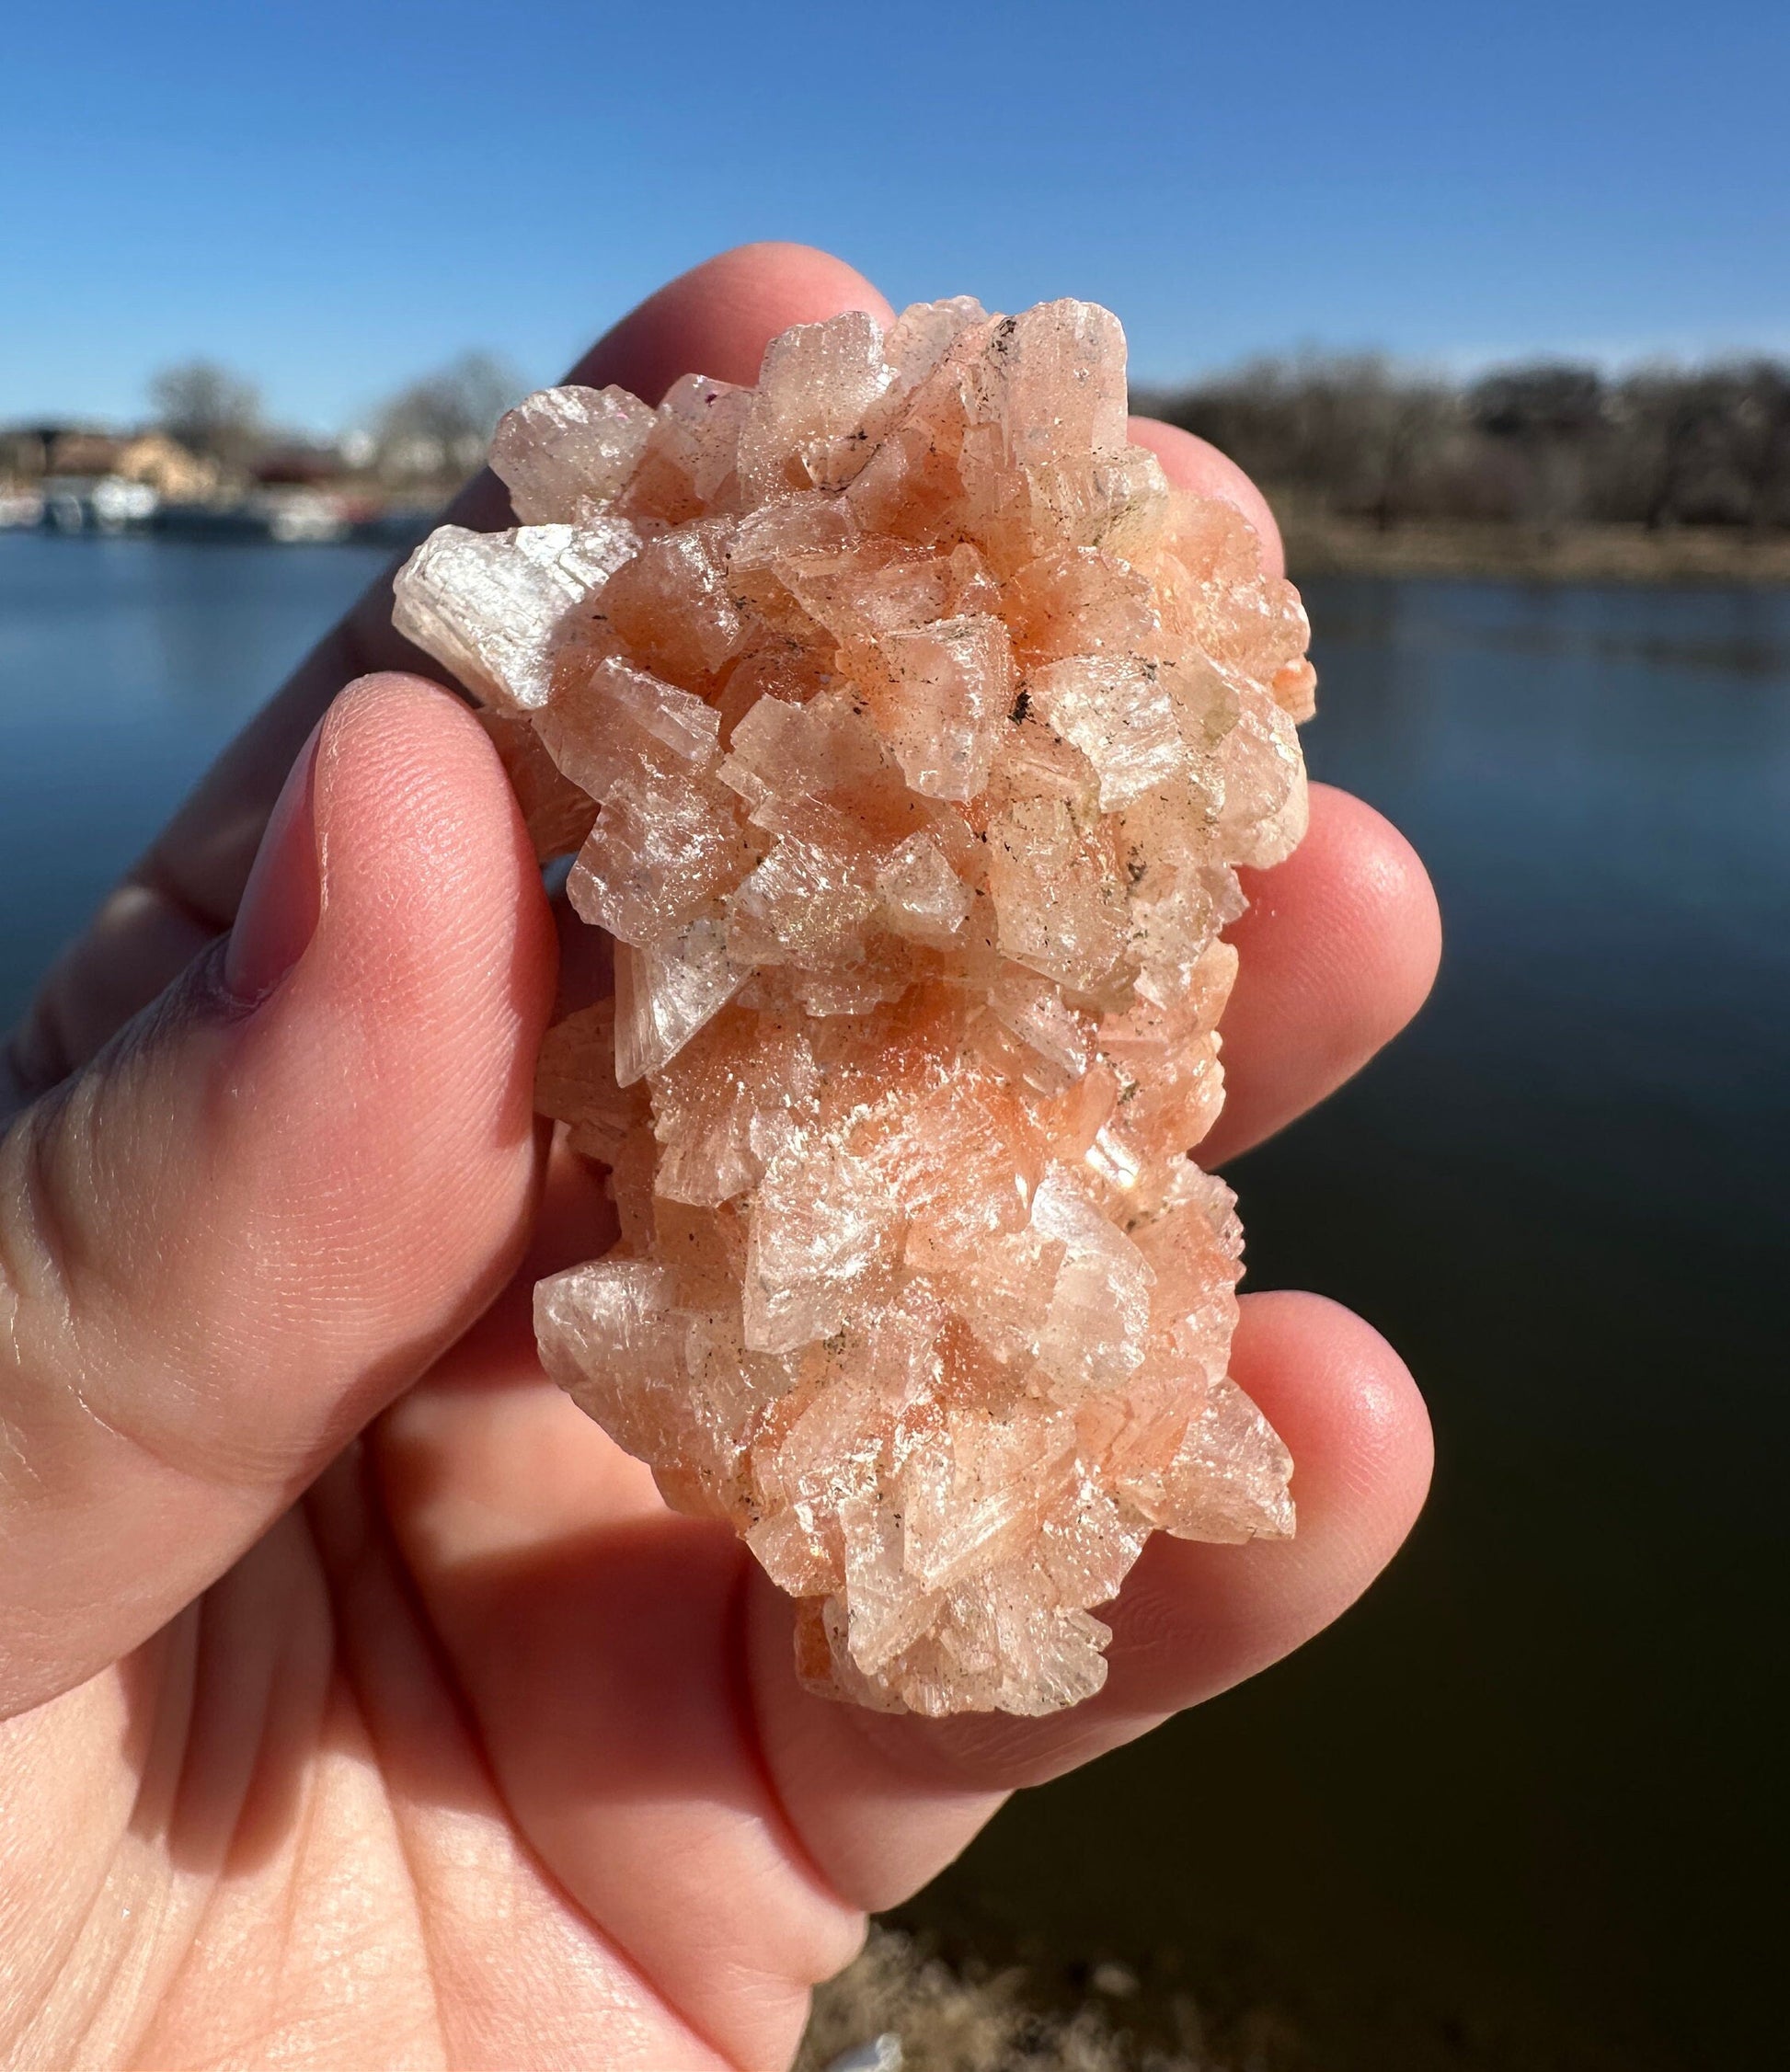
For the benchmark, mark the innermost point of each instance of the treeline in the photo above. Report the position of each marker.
(431, 433)
(1544, 446)
(1547, 445)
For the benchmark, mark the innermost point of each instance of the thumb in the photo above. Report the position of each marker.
(276, 1195)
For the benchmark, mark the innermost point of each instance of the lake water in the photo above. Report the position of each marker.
(1515, 1810)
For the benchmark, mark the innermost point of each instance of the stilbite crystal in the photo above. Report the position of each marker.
(909, 729)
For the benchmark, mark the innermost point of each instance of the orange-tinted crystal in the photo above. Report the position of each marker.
(909, 730)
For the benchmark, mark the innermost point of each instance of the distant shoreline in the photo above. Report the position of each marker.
(1323, 545)
(1318, 544)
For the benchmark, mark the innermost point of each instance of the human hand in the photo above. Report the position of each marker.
(363, 1705)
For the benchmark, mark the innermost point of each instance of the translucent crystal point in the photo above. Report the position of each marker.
(907, 732)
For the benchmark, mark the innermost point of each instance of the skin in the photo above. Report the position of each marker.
(362, 1706)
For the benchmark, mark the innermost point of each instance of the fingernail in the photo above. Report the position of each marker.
(283, 898)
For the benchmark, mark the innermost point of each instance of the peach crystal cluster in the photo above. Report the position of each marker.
(908, 727)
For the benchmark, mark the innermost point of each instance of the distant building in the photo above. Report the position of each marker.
(165, 466)
(29, 453)
(41, 452)
(300, 466)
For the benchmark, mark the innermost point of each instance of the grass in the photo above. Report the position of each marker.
(1319, 543)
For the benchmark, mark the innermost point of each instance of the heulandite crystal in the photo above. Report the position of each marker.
(909, 728)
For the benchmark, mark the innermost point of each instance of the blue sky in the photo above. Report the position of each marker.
(335, 196)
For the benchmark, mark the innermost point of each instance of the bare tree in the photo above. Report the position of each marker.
(1547, 443)
(1552, 415)
(1670, 445)
(1757, 427)
(1367, 438)
(1393, 434)
(440, 425)
(211, 411)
